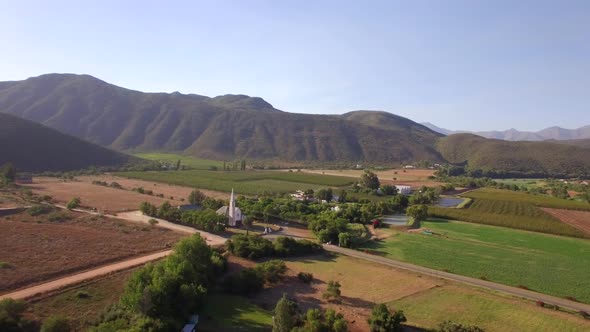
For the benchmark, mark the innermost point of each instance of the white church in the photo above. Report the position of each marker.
(232, 212)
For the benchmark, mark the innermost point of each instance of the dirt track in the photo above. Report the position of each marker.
(80, 277)
(577, 219)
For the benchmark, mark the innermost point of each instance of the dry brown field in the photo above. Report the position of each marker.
(410, 177)
(36, 249)
(578, 219)
(105, 199)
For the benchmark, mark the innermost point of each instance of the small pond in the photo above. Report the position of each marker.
(449, 201)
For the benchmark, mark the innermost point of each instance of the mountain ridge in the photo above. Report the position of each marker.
(550, 133)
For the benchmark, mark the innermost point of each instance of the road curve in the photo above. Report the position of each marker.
(466, 280)
(83, 276)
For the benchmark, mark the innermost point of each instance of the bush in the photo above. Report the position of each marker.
(5, 265)
(333, 291)
(116, 185)
(11, 316)
(286, 246)
(58, 216)
(36, 210)
(153, 222)
(250, 246)
(82, 295)
(56, 324)
(382, 320)
(272, 271)
(74, 203)
(305, 277)
(449, 326)
(344, 240)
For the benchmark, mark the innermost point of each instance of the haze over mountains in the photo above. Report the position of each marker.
(551, 133)
(239, 126)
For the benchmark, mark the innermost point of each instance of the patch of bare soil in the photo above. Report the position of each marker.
(35, 249)
(577, 219)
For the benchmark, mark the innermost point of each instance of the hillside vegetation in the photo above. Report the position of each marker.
(32, 147)
(216, 128)
(498, 158)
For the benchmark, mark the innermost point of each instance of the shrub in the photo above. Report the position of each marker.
(333, 291)
(58, 216)
(449, 326)
(286, 246)
(36, 210)
(11, 316)
(272, 271)
(305, 277)
(56, 324)
(82, 295)
(344, 240)
(5, 265)
(250, 246)
(74, 203)
(116, 185)
(153, 222)
(382, 320)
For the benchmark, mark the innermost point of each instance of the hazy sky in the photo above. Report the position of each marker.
(470, 64)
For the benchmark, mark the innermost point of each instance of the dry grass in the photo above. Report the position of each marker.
(41, 250)
(106, 199)
(411, 177)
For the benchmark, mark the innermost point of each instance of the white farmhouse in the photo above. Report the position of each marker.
(403, 189)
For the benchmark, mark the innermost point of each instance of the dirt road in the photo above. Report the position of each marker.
(466, 280)
(83, 276)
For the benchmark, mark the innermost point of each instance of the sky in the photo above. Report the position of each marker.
(472, 65)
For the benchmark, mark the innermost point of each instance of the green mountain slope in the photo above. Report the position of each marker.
(549, 158)
(221, 127)
(33, 147)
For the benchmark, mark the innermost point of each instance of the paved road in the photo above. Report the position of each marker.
(83, 276)
(466, 280)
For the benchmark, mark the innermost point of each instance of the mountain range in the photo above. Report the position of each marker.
(551, 133)
(239, 126)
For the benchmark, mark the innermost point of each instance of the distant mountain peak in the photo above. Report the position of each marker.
(551, 133)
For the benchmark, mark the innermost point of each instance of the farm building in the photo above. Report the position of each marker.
(403, 189)
(409, 167)
(24, 179)
(232, 212)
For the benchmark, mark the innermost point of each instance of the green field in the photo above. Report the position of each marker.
(492, 313)
(549, 264)
(191, 162)
(512, 209)
(527, 183)
(233, 313)
(246, 182)
(522, 197)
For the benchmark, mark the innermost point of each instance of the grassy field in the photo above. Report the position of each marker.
(192, 162)
(513, 209)
(233, 313)
(493, 313)
(549, 264)
(528, 183)
(81, 305)
(247, 182)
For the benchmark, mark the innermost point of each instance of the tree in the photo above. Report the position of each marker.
(178, 165)
(370, 180)
(333, 291)
(285, 317)
(11, 316)
(74, 203)
(243, 165)
(344, 239)
(196, 197)
(343, 196)
(148, 209)
(325, 195)
(449, 326)
(56, 324)
(382, 320)
(7, 173)
(272, 271)
(418, 213)
(389, 190)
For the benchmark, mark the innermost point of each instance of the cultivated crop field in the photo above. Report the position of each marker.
(192, 162)
(577, 219)
(521, 197)
(512, 209)
(44, 247)
(545, 263)
(246, 182)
